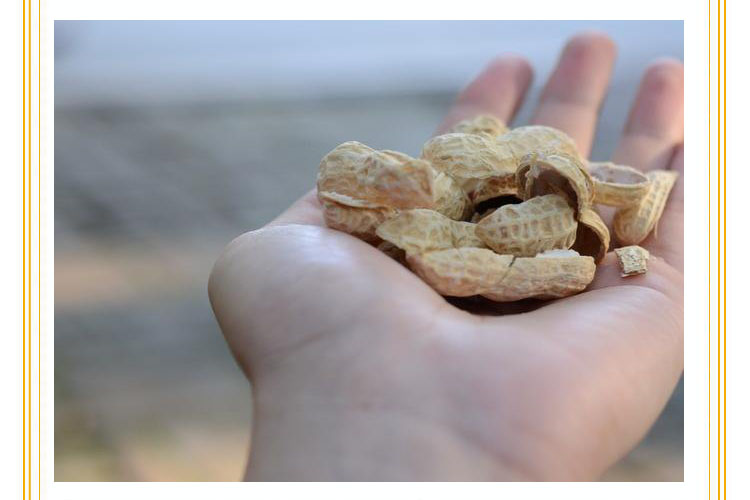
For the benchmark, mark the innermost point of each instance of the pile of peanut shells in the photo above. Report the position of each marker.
(505, 214)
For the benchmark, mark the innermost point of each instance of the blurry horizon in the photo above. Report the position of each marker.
(130, 62)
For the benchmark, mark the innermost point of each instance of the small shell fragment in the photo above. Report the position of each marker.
(632, 259)
(486, 125)
(526, 229)
(617, 185)
(633, 224)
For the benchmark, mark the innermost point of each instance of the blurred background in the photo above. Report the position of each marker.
(171, 138)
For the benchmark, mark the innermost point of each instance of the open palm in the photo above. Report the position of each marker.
(361, 371)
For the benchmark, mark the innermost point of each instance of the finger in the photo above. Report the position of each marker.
(498, 91)
(574, 92)
(655, 124)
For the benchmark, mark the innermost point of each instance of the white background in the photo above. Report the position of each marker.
(696, 298)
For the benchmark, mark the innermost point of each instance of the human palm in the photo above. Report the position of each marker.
(361, 371)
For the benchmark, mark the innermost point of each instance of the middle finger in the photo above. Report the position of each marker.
(574, 92)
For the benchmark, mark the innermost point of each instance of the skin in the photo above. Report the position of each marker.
(360, 371)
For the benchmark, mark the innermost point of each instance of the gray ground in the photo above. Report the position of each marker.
(145, 198)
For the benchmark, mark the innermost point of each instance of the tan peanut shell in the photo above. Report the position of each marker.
(534, 138)
(617, 185)
(463, 272)
(420, 230)
(486, 125)
(469, 158)
(592, 237)
(544, 277)
(526, 229)
(357, 221)
(354, 175)
(493, 187)
(633, 224)
(450, 199)
(387, 178)
(555, 173)
(633, 260)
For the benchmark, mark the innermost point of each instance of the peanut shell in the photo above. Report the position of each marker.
(555, 173)
(357, 221)
(463, 272)
(544, 277)
(526, 229)
(486, 125)
(469, 158)
(617, 185)
(535, 138)
(592, 237)
(420, 230)
(633, 260)
(633, 224)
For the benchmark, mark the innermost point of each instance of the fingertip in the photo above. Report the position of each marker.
(512, 64)
(498, 90)
(664, 76)
(591, 45)
(658, 108)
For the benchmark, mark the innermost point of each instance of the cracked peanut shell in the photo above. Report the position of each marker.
(555, 173)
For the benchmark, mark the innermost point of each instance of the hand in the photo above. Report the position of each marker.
(360, 371)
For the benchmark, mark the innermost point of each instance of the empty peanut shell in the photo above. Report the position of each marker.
(617, 185)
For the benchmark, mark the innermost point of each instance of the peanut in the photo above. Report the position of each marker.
(632, 259)
(633, 224)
